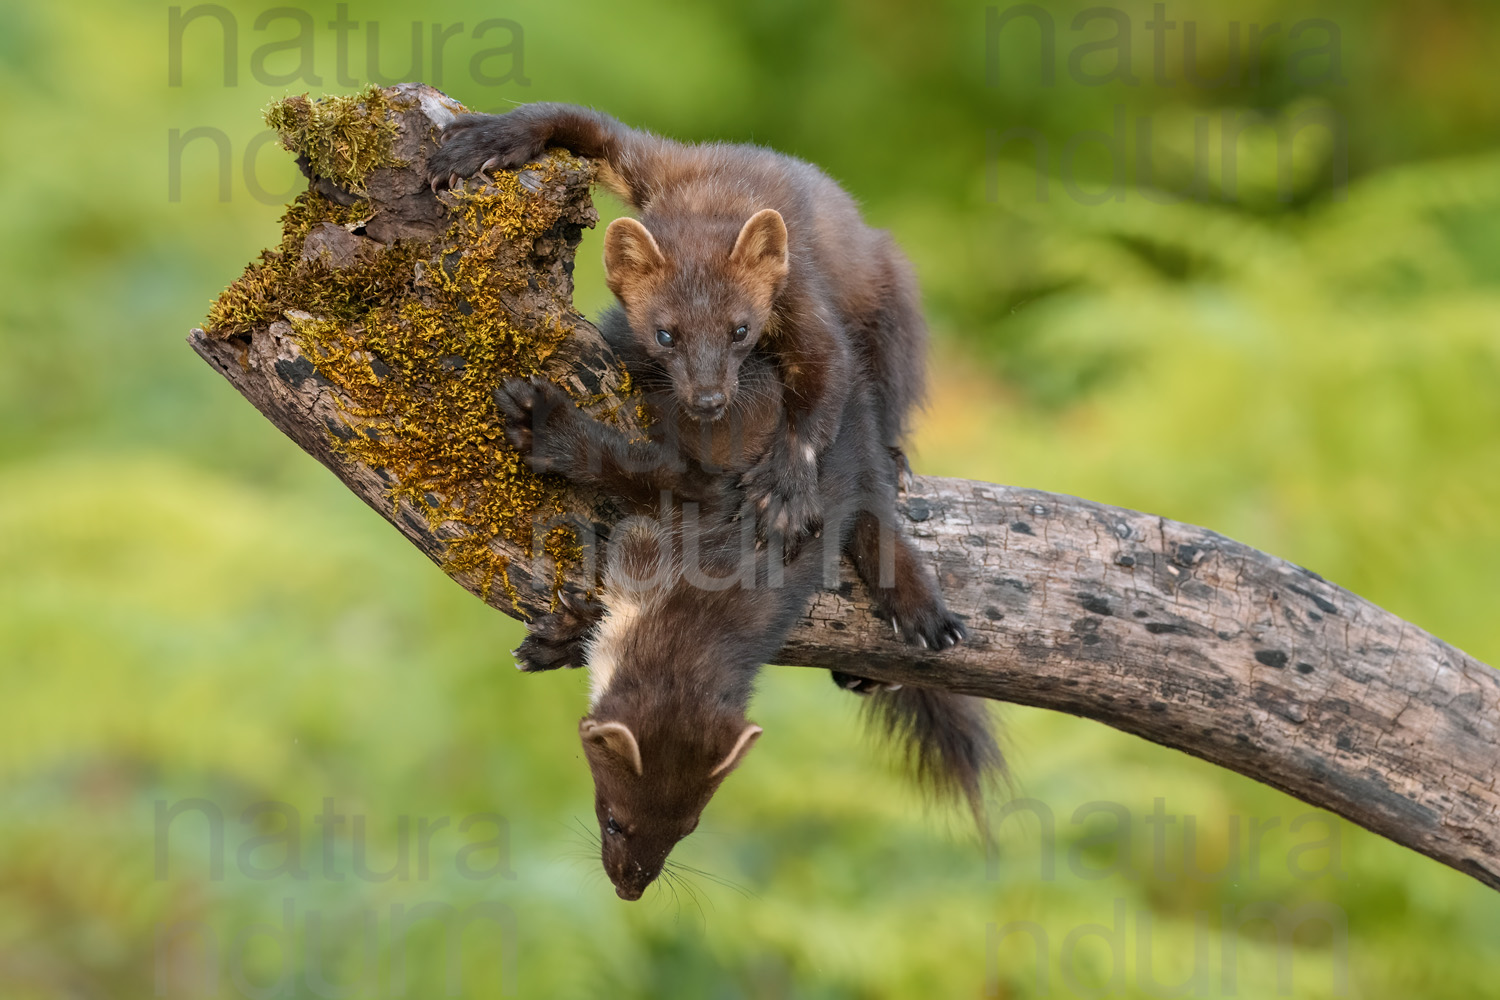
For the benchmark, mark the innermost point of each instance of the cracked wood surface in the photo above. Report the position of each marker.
(1195, 641)
(1160, 629)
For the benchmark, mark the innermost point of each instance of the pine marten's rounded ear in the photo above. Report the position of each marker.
(741, 747)
(631, 255)
(613, 737)
(761, 246)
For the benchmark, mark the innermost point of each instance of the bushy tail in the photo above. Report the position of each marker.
(948, 741)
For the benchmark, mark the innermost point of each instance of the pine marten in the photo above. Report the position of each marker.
(781, 349)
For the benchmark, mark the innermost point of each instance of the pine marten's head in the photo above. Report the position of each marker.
(651, 782)
(697, 304)
(661, 735)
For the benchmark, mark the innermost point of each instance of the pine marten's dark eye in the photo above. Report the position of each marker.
(611, 827)
(740, 333)
(663, 338)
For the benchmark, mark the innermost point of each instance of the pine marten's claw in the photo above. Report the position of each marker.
(861, 685)
(928, 626)
(537, 415)
(903, 470)
(516, 402)
(576, 601)
(557, 639)
(475, 143)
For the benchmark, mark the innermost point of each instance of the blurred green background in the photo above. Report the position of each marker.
(1304, 355)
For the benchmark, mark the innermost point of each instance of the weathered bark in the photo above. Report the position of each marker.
(1160, 629)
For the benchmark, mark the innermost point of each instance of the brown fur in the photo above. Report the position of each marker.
(799, 422)
(692, 610)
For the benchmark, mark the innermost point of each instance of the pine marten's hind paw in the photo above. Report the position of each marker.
(475, 143)
(861, 685)
(928, 625)
(557, 639)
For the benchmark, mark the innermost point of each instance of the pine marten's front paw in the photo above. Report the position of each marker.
(557, 639)
(785, 507)
(474, 143)
(541, 422)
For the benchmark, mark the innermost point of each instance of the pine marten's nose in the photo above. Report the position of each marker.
(709, 404)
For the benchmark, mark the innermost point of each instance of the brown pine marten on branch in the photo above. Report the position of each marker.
(738, 249)
(780, 347)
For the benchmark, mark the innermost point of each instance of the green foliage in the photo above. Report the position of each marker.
(190, 608)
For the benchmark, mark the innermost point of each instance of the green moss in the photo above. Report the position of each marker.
(415, 338)
(270, 286)
(344, 138)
